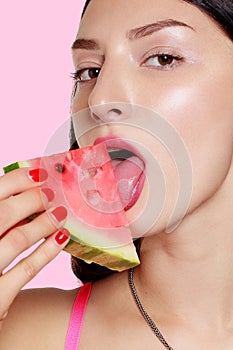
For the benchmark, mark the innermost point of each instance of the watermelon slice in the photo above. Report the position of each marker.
(83, 181)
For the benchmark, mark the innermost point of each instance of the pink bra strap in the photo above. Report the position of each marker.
(77, 316)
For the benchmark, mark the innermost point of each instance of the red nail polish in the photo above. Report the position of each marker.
(62, 236)
(38, 175)
(48, 193)
(59, 213)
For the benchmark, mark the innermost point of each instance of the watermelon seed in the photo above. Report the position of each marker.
(60, 168)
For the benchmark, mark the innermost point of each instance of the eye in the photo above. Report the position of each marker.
(162, 60)
(86, 74)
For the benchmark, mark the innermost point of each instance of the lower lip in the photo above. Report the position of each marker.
(137, 191)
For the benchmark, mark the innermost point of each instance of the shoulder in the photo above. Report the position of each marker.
(38, 319)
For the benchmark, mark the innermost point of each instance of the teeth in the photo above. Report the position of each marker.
(120, 153)
(113, 149)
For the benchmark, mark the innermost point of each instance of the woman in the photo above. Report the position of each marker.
(173, 58)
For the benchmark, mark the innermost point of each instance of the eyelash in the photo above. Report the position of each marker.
(78, 73)
(160, 54)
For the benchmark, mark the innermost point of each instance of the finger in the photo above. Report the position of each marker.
(23, 237)
(20, 180)
(13, 280)
(17, 208)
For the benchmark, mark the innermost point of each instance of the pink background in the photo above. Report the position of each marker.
(35, 90)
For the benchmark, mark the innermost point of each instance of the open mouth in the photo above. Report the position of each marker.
(120, 153)
(129, 171)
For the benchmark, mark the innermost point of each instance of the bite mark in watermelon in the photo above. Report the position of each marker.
(84, 182)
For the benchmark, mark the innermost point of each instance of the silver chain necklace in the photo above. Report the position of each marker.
(147, 318)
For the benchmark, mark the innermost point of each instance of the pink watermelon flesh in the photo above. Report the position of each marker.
(84, 182)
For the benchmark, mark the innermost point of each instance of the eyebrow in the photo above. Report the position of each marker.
(85, 44)
(149, 29)
(132, 34)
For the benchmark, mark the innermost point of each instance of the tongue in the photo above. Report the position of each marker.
(127, 173)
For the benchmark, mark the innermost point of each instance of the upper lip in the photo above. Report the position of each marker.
(118, 143)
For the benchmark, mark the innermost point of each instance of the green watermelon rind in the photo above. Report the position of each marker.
(16, 165)
(114, 258)
(105, 258)
(117, 258)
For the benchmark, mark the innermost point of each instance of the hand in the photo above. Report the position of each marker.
(20, 197)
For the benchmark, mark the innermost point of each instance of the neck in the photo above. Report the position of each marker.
(187, 275)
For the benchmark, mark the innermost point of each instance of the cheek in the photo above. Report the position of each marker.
(81, 117)
(201, 110)
(80, 100)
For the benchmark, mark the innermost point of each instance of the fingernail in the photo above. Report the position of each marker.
(48, 193)
(38, 175)
(59, 213)
(62, 236)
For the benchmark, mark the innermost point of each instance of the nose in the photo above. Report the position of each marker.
(111, 97)
(110, 111)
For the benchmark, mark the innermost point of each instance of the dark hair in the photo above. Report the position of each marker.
(221, 11)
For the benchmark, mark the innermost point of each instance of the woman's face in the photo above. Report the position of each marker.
(151, 73)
